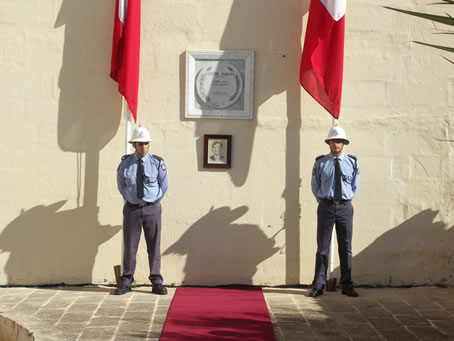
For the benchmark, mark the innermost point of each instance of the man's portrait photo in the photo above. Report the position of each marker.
(217, 151)
(217, 154)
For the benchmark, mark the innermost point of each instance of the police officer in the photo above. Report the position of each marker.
(142, 181)
(335, 180)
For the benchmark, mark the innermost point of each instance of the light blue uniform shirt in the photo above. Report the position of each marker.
(155, 178)
(323, 181)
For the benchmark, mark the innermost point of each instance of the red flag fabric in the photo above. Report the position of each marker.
(124, 67)
(322, 61)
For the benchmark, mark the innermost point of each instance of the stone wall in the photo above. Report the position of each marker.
(255, 223)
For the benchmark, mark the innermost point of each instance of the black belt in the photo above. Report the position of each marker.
(142, 204)
(336, 202)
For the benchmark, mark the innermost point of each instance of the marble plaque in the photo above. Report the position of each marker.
(219, 84)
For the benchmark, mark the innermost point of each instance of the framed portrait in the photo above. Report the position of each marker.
(219, 84)
(217, 151)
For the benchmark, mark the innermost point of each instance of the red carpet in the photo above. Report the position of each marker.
(230, 313)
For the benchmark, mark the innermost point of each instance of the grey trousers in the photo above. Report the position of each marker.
(328, 215)
(134, 219)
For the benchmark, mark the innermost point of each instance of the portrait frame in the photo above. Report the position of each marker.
(219, 84)
(217, 151)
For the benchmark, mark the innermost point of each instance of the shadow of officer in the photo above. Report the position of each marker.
(219, 252)
(44, 245)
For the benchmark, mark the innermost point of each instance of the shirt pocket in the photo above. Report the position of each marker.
(150, 179)
(130, 179)
(327, 174)
(347, 176)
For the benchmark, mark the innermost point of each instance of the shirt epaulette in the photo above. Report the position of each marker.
(353, 157)
(319, 157)
(158, 157)
(125, 156)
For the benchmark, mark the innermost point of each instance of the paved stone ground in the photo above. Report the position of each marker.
(86, 313)
(93, 313)
(423, 313)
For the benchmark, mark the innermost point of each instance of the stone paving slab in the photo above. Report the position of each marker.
(92, 313)
(86, 313)
(421, 313)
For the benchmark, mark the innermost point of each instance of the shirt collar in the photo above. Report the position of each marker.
(136, 158)
(341, 157)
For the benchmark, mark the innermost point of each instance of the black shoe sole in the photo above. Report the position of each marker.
(350, 294)
(159, 293)
(122, 292)
(318, 294)
(158, 289)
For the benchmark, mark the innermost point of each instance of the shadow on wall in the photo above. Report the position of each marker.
(220, 252)
(416, 252)
(89, 104)
(272, 29)
(46, 246)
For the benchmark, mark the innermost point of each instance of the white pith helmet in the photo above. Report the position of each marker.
(140, 134)
(337, 133)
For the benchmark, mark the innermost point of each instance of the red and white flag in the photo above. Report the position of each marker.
(124, 67)
(322, 62)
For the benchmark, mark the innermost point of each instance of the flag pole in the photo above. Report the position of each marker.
(331, 284)
(124, 69)
(331, 247)
(331, 257)
(127, 115)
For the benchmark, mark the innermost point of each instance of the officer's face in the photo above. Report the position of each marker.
(141, 148)
(336, 146)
